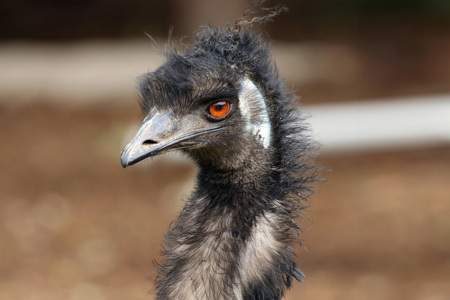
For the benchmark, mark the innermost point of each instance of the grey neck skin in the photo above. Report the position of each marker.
(229, 241)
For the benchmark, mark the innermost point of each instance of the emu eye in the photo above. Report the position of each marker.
(219, 109)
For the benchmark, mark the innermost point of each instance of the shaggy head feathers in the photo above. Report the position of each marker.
(214, 64)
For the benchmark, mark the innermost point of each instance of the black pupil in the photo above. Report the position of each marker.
(218, 106)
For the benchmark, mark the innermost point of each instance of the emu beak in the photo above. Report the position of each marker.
(161, 132)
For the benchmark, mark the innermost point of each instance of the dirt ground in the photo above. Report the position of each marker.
(75, 225)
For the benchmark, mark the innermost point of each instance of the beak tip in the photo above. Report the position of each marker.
(124, 159)
(130, 156)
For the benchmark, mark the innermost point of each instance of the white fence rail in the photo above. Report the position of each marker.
(379, 124)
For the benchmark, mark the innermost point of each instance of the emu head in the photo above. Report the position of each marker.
(214, 101)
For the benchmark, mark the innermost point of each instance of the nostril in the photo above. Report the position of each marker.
(149, 142)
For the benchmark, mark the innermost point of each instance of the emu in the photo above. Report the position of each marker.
(221, 102)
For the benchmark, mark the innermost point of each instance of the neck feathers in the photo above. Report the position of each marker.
(227, 251)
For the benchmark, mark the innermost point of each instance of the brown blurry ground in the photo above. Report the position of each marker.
(75, 225)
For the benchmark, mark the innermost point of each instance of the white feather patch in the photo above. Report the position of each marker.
(260, 250)
(253, 108)
(204, 276)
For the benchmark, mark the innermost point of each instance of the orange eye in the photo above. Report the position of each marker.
(219, 109)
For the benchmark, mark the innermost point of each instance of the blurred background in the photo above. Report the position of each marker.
(373, 74)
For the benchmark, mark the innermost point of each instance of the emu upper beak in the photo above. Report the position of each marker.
(161, 132)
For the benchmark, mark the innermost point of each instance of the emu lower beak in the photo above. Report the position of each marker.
(161, 132)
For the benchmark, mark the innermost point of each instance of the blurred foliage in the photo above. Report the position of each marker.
(56, 19)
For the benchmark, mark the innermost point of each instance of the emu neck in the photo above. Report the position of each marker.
(244, 194)
(251, 180)
(227, 242)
